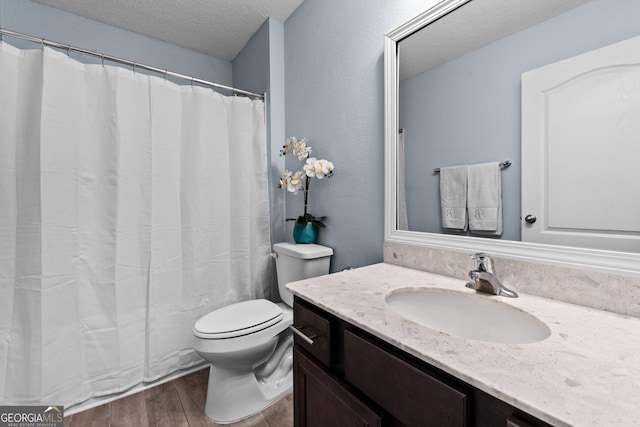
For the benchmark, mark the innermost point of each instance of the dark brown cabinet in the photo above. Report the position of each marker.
(407, 392)
(321, 401)
(344, 376)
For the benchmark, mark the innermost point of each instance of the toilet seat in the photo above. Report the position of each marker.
(238, 319)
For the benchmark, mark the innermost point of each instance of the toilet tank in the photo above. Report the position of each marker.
(298, 262)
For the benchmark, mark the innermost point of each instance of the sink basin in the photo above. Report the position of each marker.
(467, 315)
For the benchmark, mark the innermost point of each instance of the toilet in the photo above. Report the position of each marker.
(249, 344)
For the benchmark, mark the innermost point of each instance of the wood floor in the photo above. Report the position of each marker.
(178, 403)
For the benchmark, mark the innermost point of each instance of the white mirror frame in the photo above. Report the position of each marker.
(590, 259)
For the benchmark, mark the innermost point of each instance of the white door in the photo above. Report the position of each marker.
(581, 150)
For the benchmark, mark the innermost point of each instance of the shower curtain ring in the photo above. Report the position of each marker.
(69, 51)
(102, 57)
(134, 67)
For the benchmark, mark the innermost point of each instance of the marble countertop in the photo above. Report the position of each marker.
(587, 373)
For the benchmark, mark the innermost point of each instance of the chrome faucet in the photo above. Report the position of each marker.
(484, 278)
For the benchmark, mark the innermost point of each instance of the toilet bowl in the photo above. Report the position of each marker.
(249, 344)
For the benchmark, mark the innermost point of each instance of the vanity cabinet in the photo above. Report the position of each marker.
(344, 376)
(322, 400)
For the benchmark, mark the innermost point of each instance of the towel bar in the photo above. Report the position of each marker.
(503, 165)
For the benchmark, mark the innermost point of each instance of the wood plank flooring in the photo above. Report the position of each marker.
(178, 403)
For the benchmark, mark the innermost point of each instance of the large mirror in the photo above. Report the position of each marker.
(453, 95)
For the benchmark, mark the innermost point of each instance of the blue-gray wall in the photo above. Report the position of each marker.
(46, 22)
(468, 110)
(334, 96)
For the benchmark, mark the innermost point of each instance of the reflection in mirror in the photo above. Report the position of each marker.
(460, 92)
(580, 128)
(453, 79)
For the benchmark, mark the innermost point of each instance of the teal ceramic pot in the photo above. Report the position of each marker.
(305, 233)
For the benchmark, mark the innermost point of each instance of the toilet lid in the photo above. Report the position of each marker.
(238, 319)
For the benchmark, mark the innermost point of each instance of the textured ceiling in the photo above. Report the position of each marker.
(472, 26)
(218, 28)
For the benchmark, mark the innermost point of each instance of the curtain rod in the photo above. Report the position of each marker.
(132, 64)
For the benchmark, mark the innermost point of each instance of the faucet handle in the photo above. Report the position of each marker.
(483, 262)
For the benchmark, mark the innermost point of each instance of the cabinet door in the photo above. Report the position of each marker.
(321, 401)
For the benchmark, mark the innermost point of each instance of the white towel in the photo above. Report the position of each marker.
(484, 198)
(453, 197)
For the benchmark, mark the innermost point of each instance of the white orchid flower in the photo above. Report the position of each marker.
(297, 147)
(318, 168)
(291, 181)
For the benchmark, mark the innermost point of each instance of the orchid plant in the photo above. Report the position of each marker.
(300, 180)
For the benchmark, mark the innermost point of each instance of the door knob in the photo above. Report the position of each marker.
(530, 219)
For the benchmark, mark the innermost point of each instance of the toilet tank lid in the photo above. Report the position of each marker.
(302, 251)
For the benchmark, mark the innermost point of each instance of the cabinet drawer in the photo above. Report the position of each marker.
(409, 394)
(316, 328)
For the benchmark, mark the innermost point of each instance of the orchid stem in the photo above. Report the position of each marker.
(306, 192)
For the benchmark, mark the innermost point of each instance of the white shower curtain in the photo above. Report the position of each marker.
(129, 207)
(401, 209)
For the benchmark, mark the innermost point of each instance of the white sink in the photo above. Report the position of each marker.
(468, 315)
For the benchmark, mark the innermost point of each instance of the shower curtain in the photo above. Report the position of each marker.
(129, 207)
(401, 209)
